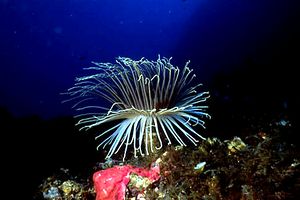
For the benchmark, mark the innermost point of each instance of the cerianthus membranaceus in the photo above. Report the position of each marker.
(152, 102)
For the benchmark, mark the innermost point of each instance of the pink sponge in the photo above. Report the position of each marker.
(111, 183)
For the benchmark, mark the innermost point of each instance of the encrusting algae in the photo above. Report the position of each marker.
(261, 166)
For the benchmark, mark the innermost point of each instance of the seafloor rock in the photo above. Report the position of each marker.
(263, 165)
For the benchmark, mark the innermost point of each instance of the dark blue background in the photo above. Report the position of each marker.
(45, 44)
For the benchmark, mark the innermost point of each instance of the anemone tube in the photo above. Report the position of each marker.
(151, 101)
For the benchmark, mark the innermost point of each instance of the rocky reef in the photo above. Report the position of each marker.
(261, 165)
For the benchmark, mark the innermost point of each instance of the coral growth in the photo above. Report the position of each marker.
(260, 166)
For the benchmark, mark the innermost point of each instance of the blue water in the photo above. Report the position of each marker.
(45, 44)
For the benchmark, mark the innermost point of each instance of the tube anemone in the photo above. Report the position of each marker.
(152, 102)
